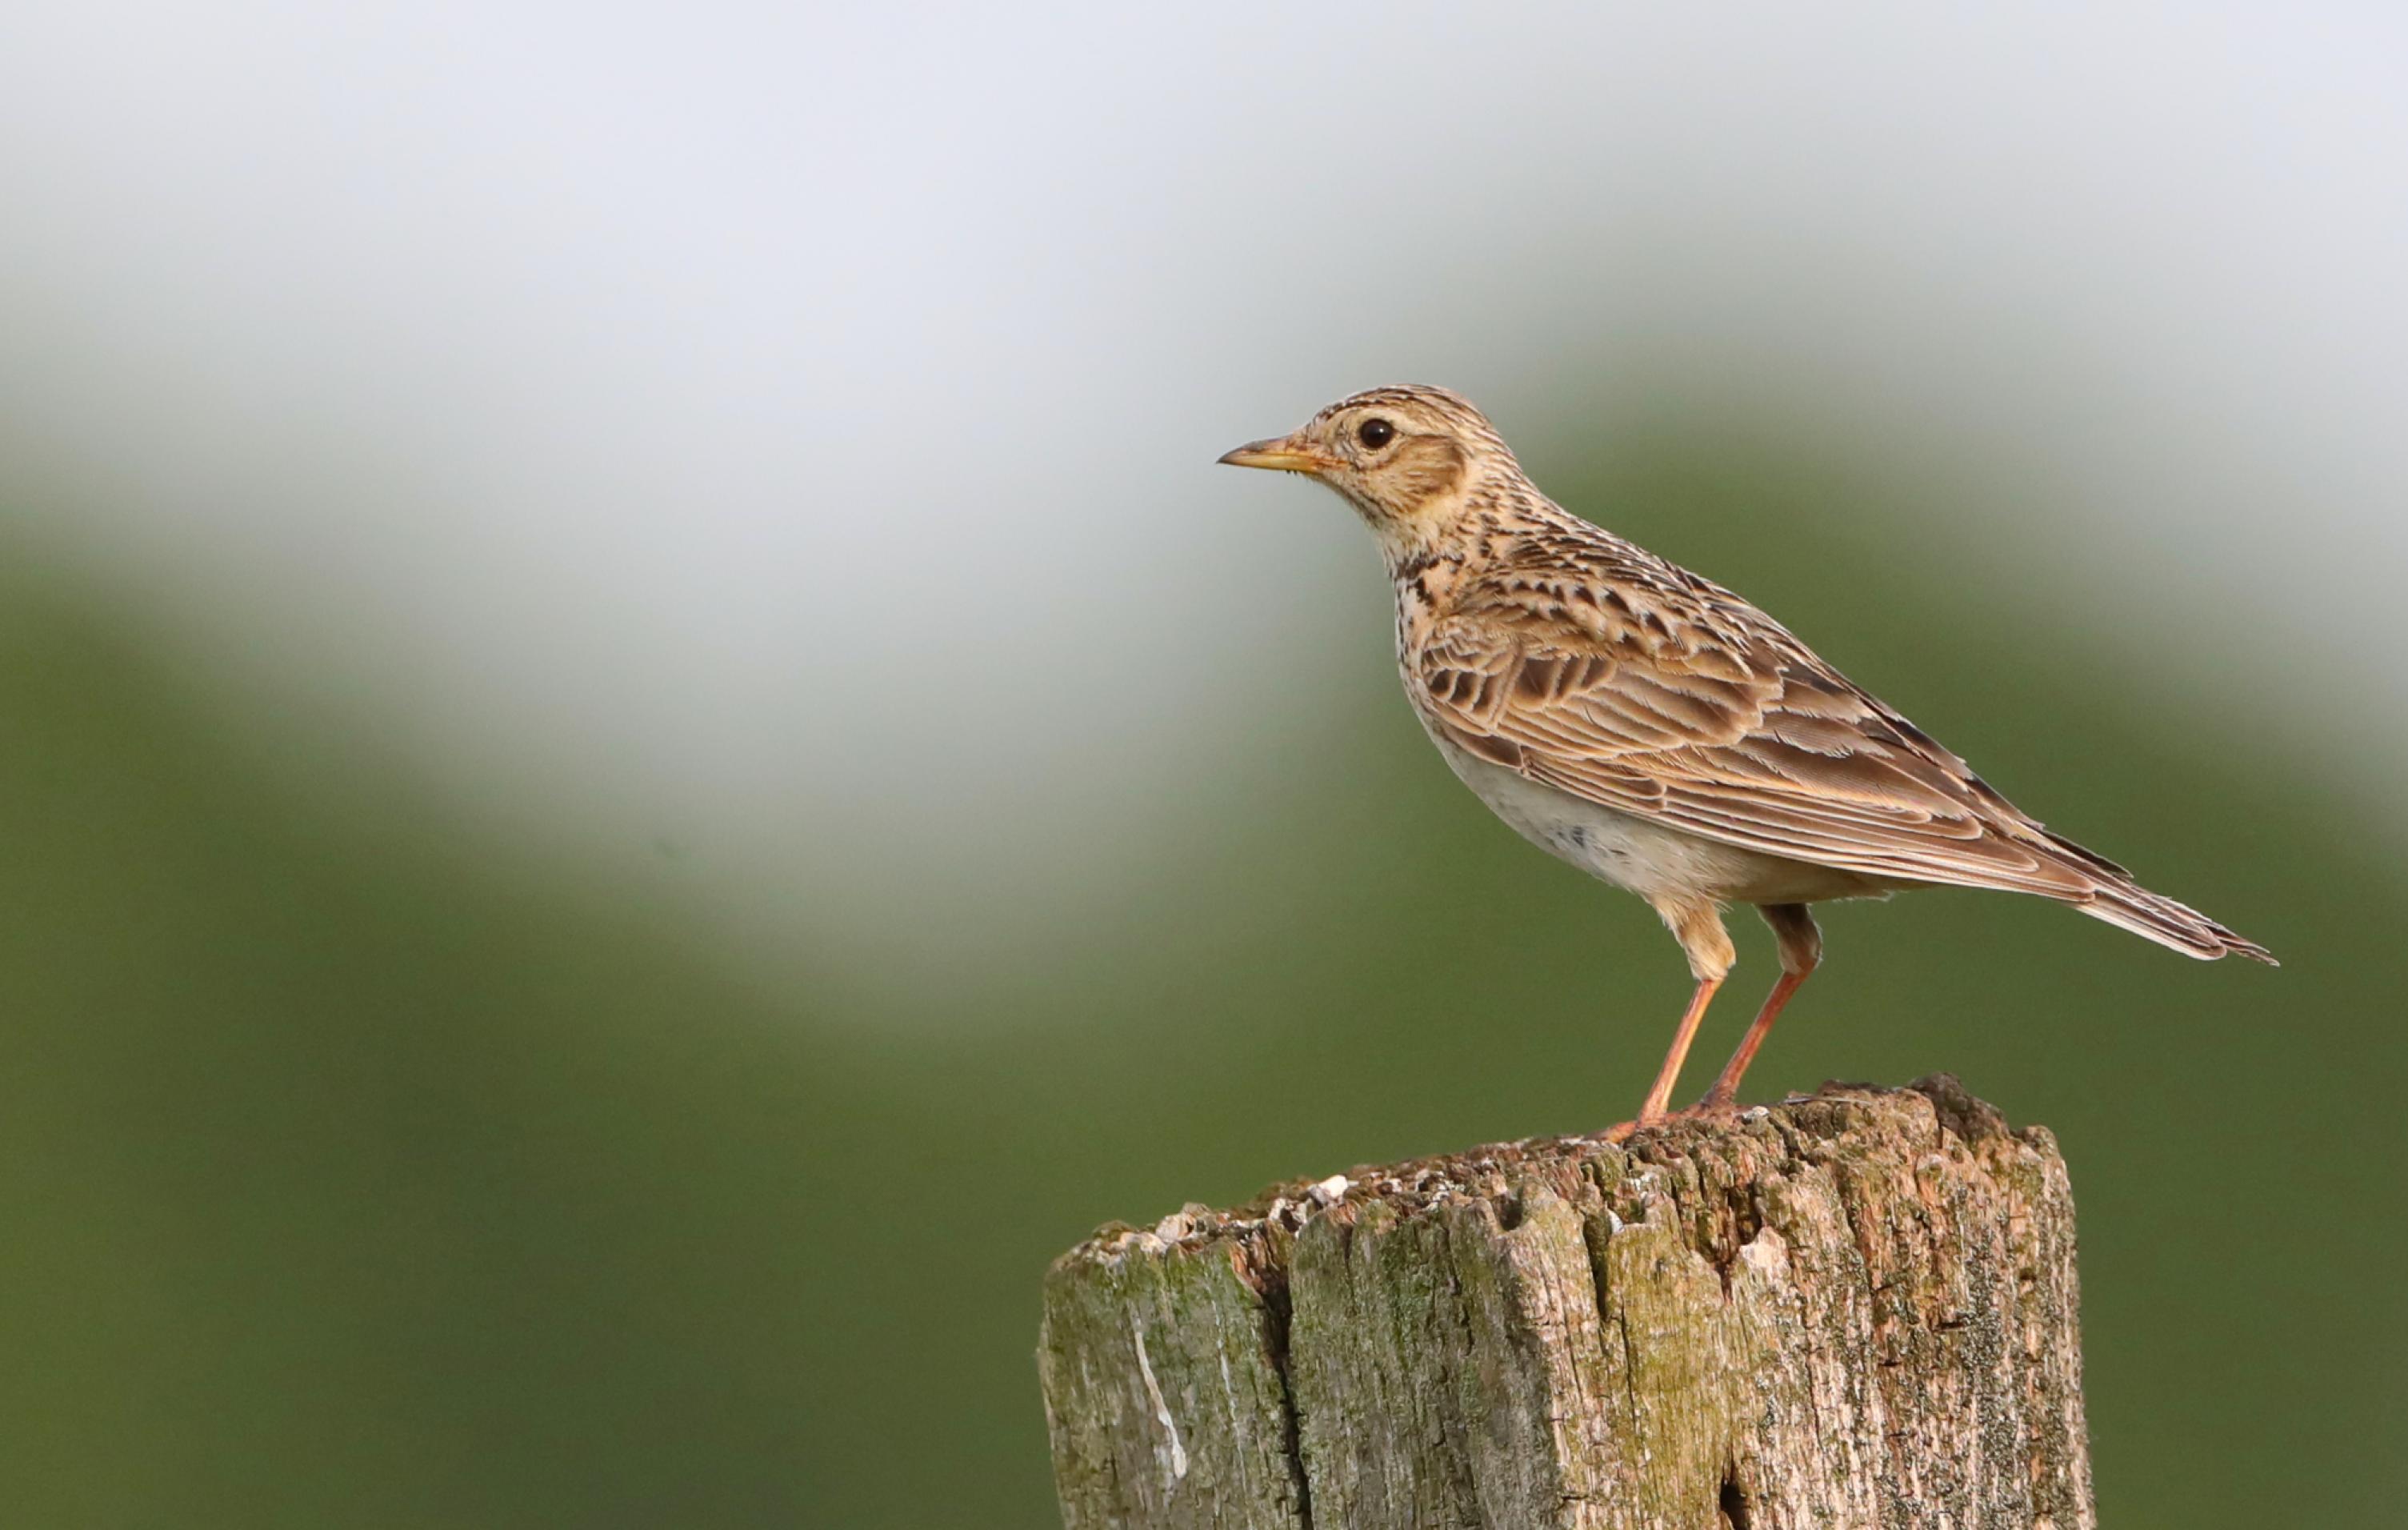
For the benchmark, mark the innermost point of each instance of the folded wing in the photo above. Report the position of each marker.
(1673, 699)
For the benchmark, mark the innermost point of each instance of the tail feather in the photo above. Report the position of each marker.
(2131, 906)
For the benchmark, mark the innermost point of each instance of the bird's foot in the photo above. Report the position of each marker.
(1714, 1107)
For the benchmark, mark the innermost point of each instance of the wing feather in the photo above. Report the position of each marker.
(1700, 712)
(1590, 666)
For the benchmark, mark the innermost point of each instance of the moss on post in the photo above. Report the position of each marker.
(1854, 1309)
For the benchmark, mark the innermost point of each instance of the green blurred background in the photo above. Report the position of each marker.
(641, 761)
(362, 1169)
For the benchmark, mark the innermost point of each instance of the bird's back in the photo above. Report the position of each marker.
(1537, 642)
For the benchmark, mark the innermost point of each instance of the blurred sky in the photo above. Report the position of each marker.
(774, 442)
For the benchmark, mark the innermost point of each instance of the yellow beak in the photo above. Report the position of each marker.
(1280, 452)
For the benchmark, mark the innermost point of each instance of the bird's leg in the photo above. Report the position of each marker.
(1801, 952)
(1698, 928)
(1669, 1075)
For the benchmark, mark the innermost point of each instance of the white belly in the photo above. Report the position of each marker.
(1646, 857)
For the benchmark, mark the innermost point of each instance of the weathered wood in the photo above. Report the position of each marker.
(1854, 1309)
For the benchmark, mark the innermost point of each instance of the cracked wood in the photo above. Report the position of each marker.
(1854, 1309)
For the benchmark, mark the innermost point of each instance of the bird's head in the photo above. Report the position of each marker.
(1405, 457)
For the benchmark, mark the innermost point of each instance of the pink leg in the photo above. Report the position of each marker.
(1801, 952)
(1670, 1074)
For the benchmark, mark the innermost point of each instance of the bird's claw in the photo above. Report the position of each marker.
(1721, 1108)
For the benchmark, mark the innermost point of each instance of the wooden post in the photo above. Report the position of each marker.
(1857, 1309)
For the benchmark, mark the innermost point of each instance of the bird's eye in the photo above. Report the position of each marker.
(1375, 433)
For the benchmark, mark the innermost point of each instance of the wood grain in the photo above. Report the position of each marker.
(1855, 1309)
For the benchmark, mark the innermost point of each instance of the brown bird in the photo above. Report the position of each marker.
(1659, 732)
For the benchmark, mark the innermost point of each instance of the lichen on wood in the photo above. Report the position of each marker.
(1857, 1308)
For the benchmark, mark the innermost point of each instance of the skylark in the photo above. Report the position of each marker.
(1659, 732)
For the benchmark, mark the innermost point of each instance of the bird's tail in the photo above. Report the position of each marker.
(2115, 897)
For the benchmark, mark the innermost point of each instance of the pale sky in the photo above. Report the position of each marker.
(783, 432)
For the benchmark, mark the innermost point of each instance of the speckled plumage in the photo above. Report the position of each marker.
(1657, 729)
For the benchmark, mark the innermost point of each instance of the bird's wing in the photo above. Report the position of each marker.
(1675, 700)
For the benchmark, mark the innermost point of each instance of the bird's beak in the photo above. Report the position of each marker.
(1280, 452)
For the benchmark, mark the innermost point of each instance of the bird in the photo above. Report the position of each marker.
(1659, 732)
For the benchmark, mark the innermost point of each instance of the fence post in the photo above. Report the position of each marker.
(1857, 1308)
